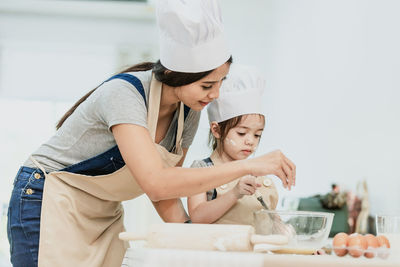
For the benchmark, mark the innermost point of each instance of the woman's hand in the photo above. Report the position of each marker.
(247, 185)
(275, 163)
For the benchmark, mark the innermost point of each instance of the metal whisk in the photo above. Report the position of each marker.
(279, 227)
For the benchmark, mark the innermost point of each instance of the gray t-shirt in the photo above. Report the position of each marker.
(86, 133)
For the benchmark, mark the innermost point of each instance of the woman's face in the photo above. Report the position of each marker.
(242, 140)
(198, 94)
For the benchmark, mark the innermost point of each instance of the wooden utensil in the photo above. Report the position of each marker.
(225, 237)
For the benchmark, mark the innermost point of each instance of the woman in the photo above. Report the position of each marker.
(123, 139)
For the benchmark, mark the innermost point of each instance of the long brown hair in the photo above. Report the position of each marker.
(162, 74)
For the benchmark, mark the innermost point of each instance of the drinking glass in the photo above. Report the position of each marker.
(389, 226)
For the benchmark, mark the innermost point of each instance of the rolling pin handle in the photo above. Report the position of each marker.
(130, 236)
(269, 239)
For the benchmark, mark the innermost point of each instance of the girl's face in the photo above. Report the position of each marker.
(242, 140)
(198, 94)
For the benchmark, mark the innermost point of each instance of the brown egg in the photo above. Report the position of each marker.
(357, 244)
(383, 241)
(339, 244)
(373, 244)
(384, 246)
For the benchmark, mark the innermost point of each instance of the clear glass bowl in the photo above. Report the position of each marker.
(307, 230)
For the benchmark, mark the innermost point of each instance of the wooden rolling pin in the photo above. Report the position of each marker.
(224, 237)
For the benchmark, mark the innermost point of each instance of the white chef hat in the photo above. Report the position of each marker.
(191, 33)
(240, 94)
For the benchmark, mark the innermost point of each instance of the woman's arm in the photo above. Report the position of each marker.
(159, 182)
(171, 210)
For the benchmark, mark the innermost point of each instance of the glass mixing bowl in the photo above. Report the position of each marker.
(307, 230)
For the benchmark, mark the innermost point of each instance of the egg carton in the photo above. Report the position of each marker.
(356, 252)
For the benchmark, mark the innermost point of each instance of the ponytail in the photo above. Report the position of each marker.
(139, 67)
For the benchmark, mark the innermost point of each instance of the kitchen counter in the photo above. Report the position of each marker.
(146, 257)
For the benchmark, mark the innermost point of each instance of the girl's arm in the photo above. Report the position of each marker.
(159, 182)
(171, 210)
(203, 211)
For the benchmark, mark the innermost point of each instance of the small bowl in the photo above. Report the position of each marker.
(307, 230)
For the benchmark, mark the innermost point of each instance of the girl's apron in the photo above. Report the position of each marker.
(82, 215)
(242, 211)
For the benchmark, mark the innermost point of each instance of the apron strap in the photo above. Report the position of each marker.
(38, 165)
(154, 108)
(179, 131)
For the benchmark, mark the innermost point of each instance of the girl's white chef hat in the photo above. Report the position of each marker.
(191, 33)
(240, 94)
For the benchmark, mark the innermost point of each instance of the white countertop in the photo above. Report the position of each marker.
(146, 257)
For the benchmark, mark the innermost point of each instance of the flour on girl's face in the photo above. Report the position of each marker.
(232, 142)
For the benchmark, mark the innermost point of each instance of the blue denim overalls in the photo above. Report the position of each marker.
(81, 214)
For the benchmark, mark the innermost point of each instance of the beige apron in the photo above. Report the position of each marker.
(242, 211)
(82, 215)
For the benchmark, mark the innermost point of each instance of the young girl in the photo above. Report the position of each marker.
(236, 125)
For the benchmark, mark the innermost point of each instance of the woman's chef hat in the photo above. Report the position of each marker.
(191, 35)
(240, 94)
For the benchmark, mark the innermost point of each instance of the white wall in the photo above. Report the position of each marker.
(65, 48)
(331, 67)
(333, 74)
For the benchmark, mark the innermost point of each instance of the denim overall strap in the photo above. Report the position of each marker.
(209, 162)
(110, 160)
(186, 111)
(138, 85)
(135, 82)
(132, 80)
(104, 163)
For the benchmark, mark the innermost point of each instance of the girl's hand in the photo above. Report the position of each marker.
(247, 185)
(275, 163)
